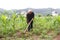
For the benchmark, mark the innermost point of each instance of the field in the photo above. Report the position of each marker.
(44, 28)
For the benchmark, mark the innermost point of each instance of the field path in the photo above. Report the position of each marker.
(57, 37)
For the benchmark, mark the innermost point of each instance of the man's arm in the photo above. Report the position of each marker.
(33, 15)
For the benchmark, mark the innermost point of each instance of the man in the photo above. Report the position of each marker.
(30, 17)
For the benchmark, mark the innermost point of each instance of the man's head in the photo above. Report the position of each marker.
(29, 11)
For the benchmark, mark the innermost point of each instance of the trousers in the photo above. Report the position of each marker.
(30, 26)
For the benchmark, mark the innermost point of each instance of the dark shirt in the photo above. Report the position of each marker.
(29, 17)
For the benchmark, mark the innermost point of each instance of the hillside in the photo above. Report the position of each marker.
(43, 11)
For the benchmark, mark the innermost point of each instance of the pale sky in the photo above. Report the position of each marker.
(21, 4)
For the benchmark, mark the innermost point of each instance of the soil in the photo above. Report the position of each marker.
(57, 37)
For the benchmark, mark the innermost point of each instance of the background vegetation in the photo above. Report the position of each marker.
(45, 27)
